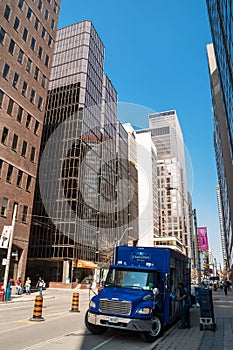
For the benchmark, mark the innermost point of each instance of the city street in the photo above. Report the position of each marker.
(63, 329)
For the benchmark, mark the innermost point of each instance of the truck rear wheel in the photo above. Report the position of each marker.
(93, 328)
(156, 331)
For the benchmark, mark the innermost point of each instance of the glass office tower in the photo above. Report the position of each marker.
(79, 209)
(220, 56)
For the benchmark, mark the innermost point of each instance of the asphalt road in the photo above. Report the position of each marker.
(61, 329)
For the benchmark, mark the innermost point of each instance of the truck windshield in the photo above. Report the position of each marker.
(131, 279)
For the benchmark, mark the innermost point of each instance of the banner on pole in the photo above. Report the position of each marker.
(202, 238)
(5, 236)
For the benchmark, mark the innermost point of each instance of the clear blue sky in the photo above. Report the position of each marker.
(155, 56)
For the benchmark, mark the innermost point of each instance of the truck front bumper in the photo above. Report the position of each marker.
(120, 322)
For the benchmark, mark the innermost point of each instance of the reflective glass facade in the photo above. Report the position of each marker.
(81, 207)
(221, 24)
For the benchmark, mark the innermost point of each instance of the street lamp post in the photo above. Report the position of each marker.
(197, 253)
(117, 242)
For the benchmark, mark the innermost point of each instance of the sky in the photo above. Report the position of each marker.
(155, 56)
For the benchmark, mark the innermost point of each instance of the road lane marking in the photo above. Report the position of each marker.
(30, 323)
(104, 342)
(49, 341)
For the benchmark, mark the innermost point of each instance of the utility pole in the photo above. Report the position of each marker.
(8, 259)
(198, 266)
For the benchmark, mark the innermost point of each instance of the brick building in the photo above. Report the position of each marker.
(27, 35)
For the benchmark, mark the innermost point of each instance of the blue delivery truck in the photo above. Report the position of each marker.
(137, 293)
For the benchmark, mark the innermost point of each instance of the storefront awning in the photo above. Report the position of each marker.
(85, 264)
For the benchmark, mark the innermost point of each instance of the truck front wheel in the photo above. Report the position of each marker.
(155, 332)
(93, 328)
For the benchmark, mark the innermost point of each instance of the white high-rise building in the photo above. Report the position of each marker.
(174, 207)
(147, 188)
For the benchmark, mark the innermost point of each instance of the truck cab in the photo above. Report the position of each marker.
(136, 294)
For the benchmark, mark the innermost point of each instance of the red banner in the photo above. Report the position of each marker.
(202, 238)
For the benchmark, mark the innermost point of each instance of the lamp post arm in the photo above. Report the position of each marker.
(117, 242)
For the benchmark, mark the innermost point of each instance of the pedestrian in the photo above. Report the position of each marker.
(18, 284)
(225, 287)
(184, 304)
(40, 285)
(28, 286)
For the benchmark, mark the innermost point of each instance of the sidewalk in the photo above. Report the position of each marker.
(193, 338)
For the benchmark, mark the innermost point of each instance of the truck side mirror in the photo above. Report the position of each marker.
(156, 291)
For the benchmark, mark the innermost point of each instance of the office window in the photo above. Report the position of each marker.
(24, 149)
(40, 103)
(25, 34)
(33, 153)
(32, 97)
(36, 25)
(9, 173)
(47, 60)
(15, 80)
(11, 47)
(49, 41)
(20, 4)
(36, 74)
(43, 33)
(28, 121)
(16, 24)
(46, 15)
(43, 80)
(24, 88)
(4, 207)
(10, 106)
(55, 7)
(28, 184)
(19, 115)
(6, 71)
(19, 178)
(2, 35)
(7, 12)
(39, 5)
(33, 43)
(4, 135)
(1, 97)
(20, 56)
(52, 23)
(14, 142)
(29, 64)
(24, 214)
(40, 51)
(1, 165)
(36, 128)
(29, 13)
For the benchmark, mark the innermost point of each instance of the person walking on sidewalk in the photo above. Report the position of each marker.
(225, 286)
(28, 286)
(18, 284)
(184, 304)
(40, 285)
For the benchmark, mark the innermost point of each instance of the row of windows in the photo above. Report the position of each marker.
(19, 177)
(24, 86)
(5, 208)
(30, 122)
(38, 75)
(12, 46)
(15, 142)
(7, 13)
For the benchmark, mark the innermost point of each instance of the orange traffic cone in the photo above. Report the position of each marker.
(37, 313)
(75, 303)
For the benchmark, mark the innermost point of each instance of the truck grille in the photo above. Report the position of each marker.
(115, 307)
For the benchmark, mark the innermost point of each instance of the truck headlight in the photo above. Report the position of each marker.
(144, 311)
(92, 304)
